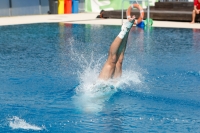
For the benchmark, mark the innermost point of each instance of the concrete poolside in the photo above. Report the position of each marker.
(84, 18)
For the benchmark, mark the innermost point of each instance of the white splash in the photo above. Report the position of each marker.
(17, 123)
(91, 97)
(91, 93)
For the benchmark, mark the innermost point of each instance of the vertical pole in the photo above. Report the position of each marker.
(122, 10)
(148, 13)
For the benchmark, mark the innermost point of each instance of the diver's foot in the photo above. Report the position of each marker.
(127, 25)
(192, 22)
(125, 28)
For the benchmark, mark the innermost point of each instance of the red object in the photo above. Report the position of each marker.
(67, 6)
(197, 4)
(68, 25)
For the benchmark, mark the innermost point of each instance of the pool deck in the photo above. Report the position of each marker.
(84, 18)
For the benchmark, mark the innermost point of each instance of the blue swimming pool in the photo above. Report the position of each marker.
(47, 70)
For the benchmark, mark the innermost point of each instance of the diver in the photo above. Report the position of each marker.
(112, 68)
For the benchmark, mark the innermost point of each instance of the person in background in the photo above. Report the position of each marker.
(196, 10)
(101, 14)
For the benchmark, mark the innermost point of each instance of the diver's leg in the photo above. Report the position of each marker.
(116, 49)
(109, 67)
(118, 66)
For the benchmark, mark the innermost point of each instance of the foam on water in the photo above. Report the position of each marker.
(17, 123)
(92, 93)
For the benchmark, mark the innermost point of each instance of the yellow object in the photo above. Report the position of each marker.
(60, 6)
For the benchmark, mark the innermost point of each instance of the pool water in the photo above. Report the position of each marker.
(48, 72)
